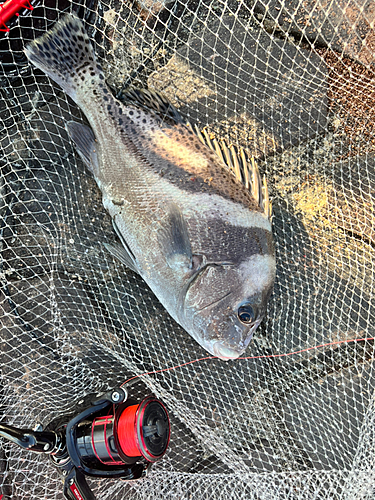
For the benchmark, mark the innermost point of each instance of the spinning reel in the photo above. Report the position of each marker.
(107, 436)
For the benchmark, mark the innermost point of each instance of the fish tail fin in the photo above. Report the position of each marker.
(66, 55)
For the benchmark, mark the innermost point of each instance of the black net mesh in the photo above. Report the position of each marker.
(291, 82)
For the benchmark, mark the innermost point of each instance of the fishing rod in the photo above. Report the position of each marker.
(106, 436)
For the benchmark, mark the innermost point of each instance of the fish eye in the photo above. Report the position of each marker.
(246, 314)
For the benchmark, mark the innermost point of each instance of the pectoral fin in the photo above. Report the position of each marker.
(122, 252)
(84, 141)
(118, 251)
(174, 241)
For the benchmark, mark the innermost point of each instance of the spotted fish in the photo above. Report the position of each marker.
(192, 215)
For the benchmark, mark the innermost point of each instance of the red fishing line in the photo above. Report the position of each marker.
(127, 433)
(249, 357)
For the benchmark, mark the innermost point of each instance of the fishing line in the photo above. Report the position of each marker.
(248, 357)
(126, 434)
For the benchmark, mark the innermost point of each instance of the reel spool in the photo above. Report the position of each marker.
(132, 432)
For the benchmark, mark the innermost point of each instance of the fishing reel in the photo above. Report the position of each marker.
(108, 436)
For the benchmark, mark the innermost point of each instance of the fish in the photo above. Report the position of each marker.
(192, 215)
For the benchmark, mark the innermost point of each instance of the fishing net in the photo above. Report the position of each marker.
(292, 83)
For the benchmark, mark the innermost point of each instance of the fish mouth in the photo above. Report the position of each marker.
(226, 352)
(223, 352)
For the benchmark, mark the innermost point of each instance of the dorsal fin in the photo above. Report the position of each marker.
(243, 167)
(152, 100)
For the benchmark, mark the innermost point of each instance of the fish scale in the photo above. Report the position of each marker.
(188, 224)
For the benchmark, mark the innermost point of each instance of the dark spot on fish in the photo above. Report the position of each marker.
(118, 203)
(74, 38)
(92, 73)
(101, 76)
(109, 107)
(131, 113)
(80, 38)
(105, 91)
(144, 120)
(120, 121)
(105, 98)
(152, 129)
(120, 110)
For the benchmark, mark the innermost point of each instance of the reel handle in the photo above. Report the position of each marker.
(36, 441)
